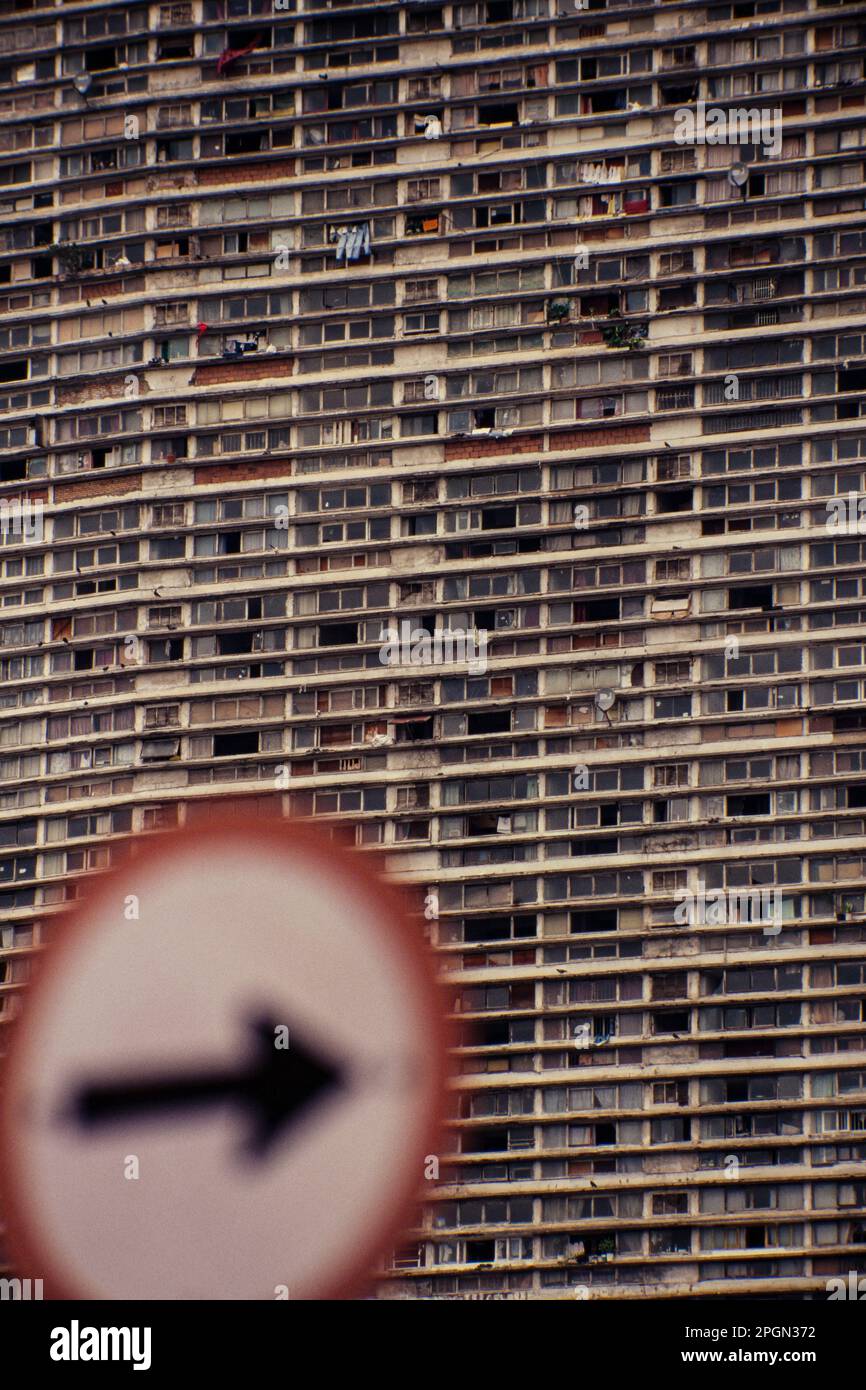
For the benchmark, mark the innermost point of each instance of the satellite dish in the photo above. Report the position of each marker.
(737, 174)
(605, 699)
(83, 82)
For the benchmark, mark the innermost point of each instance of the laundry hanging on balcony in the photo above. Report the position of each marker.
(353, 242)
(430, 125)
(230, 56)
(238, 347)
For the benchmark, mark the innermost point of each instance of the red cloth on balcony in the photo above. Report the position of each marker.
(231, 55)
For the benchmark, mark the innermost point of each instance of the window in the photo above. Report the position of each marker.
(420, 291)
(672, 672)
(421, 323)
(176, 311)
(669, 880)
(422, 190)
(164, 415)
(161, 716)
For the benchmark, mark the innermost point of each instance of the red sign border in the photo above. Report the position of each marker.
(30, 1249)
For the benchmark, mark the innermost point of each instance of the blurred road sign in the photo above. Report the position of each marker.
(227, 1078)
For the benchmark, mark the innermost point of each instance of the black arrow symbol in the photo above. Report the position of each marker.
(276, 1087)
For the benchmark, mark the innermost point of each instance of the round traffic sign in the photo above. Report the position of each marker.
(227, 1077)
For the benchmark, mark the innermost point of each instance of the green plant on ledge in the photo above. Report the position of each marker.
(558, 309)
(623, 335)
(70, 256)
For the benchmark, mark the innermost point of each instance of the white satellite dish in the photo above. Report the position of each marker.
(605, 699)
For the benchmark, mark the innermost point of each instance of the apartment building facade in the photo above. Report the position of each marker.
(447, 420)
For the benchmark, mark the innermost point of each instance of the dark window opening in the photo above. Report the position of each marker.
(241, 38)
(246, 142)
(851, 379)
(756, 185)
(234, 643)
(613, 99)
(235, 745)
(416, 730)
(492, 722)
(755, 804)
(174, 48)
(495, 1033)
(671, 1021)
(14, 371)
(100, 59)
(592, 920)
(484, 823)
(679, 94)
(502, 113)
(746, 1047)
(498, 518)
(491, 929)
(485, 618)
(596, 610)
(677, 500)
(609, 844)
(338, 634)
(480, 1251)
(751, 596)
(500, 928)
(485, 1141)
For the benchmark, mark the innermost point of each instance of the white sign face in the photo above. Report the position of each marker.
(227, 1078)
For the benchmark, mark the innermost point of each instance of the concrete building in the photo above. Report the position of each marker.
(448, 418)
